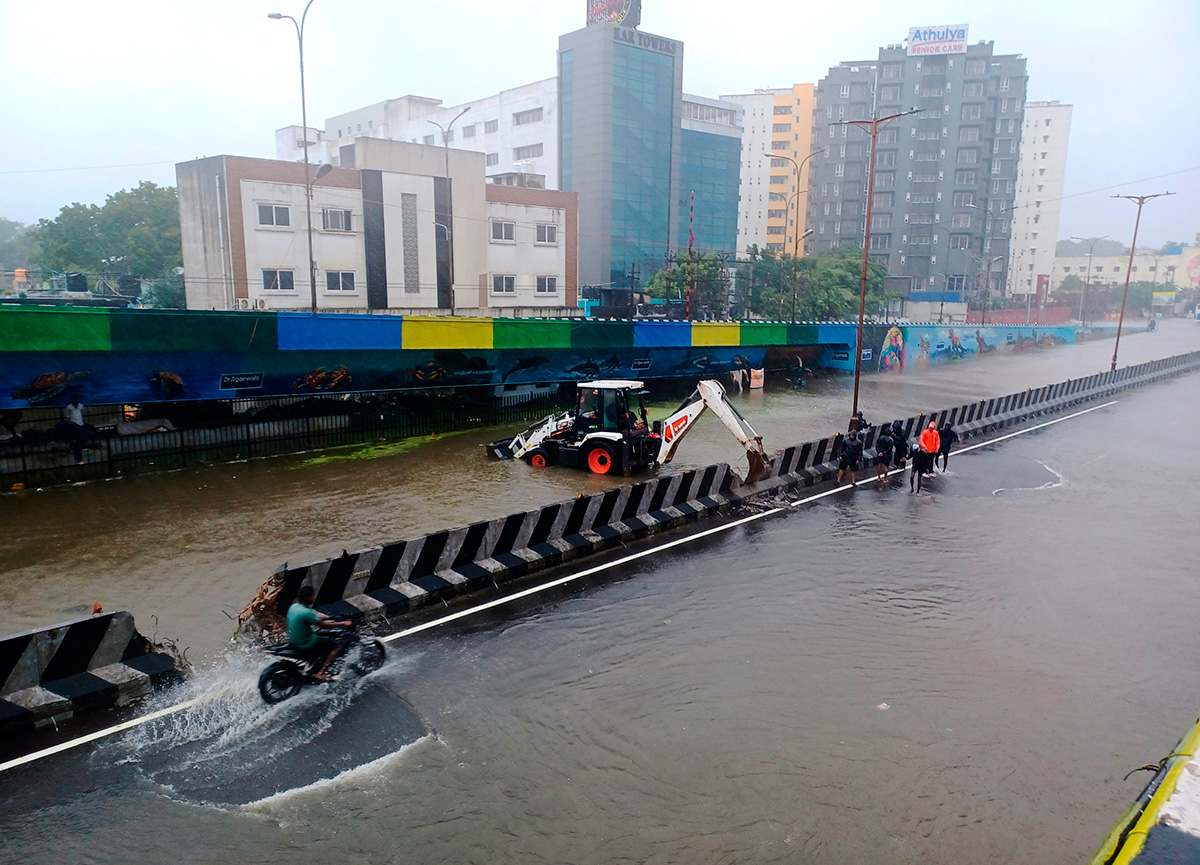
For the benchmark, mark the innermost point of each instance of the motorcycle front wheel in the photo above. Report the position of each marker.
(280, 681)
(370, 655)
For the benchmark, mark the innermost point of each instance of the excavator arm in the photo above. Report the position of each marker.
(524, 442)
(710, 395)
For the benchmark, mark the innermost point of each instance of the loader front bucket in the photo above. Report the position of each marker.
(500, 450)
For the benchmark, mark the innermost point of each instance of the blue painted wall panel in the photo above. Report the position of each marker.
(301, 331)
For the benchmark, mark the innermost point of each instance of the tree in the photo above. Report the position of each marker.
(135, 232)
(1071, 284)
(709, 283)
(167, 292)
(822, 288)
(15, 244)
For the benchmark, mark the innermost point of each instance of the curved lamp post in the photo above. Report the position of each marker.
(449, 215)
(1091, 242)
(1140, 200)
(312, 266)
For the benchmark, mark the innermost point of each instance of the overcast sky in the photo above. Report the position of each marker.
(96, 96)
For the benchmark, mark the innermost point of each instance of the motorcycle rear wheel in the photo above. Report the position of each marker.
(280, 681)
(370, 656)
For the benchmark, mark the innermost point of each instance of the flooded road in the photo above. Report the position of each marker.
(963, 676)
(189, 549)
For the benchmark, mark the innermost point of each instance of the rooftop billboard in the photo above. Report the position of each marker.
(946, 39)
(627, 13)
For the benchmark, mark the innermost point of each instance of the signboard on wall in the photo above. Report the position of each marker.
(627, 13)
(1043, 285)
(946, 39)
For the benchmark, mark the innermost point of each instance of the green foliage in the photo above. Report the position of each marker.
(822, 288)
(135, 232)
(167, 292)
(15, 244)
(1071, 284)
(709, 283)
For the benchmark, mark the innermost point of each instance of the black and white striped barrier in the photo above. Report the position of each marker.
(393, 579)
(389, 580)
(50, 674)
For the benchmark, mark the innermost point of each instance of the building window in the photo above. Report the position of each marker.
(547, 284)
(336, 220)
(839, 170)
(274, 214)
(971, 112)
(881, 221)
(469, 131)
(504, 283)
(922, 198)
(339, 280)
(491, 126)
(968, 156)
(776, 196)
(887, 136)
(278, 280)
(927, 177)
(533, 115)
(779, 163)
(493, 159)
(881, 241)
(964, 199)
(892, 70)
(776, 229)
(885, 178)
(968, 134)
(781, 144)
(428, 139)
(781, 127)
(845, 91)
(503, 231)
(974, 89)
(529, 151)
(976, 67)
(547, 232)
(890, 93)
(778, 179)
(781, 109)
(966, 177)
(776, 214)
(930, 156)
(885, 157)
(960, 220)
(956, 283)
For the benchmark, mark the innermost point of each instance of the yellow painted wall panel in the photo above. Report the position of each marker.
(716, 333)
(438, 332)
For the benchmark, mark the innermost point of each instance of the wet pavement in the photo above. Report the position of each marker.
(961, 676)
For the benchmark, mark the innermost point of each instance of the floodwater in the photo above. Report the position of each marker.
(962, 676)
(186, 551)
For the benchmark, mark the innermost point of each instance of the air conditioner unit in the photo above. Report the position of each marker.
(261, 303)
(242, 303)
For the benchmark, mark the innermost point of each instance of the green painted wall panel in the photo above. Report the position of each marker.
(801, 334)
(601, 334)
(23, 329)
(162, 330)
(512, 333)
(764, 333)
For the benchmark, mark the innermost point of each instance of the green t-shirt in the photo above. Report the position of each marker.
(302, 625)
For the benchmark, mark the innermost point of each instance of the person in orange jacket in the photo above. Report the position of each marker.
(927, 448)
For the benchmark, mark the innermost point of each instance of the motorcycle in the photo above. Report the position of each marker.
(284, 679)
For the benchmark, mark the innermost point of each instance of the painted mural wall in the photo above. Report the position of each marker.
(138, 356)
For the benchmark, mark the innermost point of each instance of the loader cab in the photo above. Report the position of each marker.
(614, 406)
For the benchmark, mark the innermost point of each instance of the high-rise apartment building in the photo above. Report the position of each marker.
(711, 150)
(945, 177)
(1040, 176)
(772, 214)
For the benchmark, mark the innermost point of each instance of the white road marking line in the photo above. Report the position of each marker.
(561, 581)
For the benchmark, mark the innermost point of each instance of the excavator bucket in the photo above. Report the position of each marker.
(759, 465)
(501, 450)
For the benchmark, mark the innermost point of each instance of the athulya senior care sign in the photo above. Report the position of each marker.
(947, 39)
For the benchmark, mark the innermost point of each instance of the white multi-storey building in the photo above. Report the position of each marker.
(516, 130)
(1041, 172)
(391, 232)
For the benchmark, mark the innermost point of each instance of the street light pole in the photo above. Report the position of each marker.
(987, 289)
(871, 128)
(1091, 242)
(1140, 199)
(308, 180)
(449, 202)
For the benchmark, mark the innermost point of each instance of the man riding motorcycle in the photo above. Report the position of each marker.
(303, 622)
